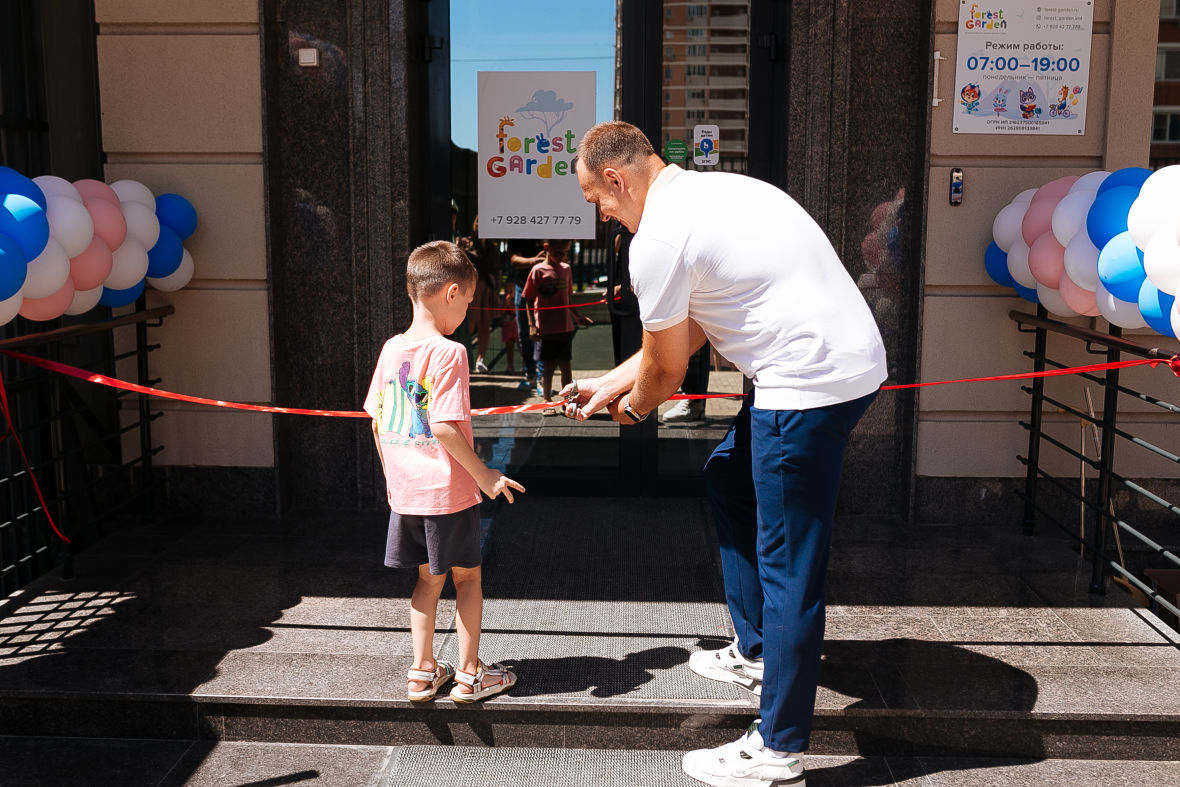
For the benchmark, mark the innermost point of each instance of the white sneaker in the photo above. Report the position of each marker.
(480, 366)
(684, 410)
(729, 666)
(744, 762)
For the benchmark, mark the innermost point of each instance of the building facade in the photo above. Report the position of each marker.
(315, 181)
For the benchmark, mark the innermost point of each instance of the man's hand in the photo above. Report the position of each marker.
(582, 319)
(586, 397)
(493, 483)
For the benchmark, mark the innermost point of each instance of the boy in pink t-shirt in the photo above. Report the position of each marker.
(421, 410)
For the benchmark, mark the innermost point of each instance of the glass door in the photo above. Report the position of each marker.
(681, 71)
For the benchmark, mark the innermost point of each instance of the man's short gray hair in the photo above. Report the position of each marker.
(612, 143)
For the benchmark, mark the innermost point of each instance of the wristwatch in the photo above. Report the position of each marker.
(630, 413)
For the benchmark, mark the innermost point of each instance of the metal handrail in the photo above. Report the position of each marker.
(87, 465)
(1100, 507)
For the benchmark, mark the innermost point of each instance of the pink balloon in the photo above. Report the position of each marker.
(1078, 298)
(1055, 189)
(1046, 260)
(91, 268)
(1038, 220)
(96, 189)
(109, 223)
(50, 308)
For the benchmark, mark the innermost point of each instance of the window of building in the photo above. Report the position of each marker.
(667, 96)
(696, 50)
(696, 70)
(697, 10)
(668, 74)
(1169, 9)
(1167, 63)
(695, 115)
(667, 117)
(670, 52)
(1166, 125)
(697, 95)
(696, 32)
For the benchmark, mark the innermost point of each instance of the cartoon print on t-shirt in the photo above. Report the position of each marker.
(403, 405)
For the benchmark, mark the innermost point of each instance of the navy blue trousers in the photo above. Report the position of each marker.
(773, 483)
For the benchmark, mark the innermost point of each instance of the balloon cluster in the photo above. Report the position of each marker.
(68, 247)
(1105, 243)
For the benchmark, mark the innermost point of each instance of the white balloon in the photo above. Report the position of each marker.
(1164, 183)
(1018, 264)
(1081, 261)
(134, 191)
(1089, 182)
(84, 300)
(129, 265)
(1006, 226)
(1070, 215)
(178, 278)
(70, 224)
(1117, 312)
(10, 307)
(142, 224)
(1024, 197)
(1051, 299)
(48, 272)
(1150, 213)
(53, 186)
(1161, 260)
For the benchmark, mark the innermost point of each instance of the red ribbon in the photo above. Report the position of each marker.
(1173, 363)
(10, 431)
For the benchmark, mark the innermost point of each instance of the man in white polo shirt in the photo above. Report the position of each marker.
(732, 260)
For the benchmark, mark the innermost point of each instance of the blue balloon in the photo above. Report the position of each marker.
(177, 213)
(1120, 267)
(24, 221)
(13, 268)
(1156, 308)
(1125, 177)
(164, 258)
(1108, 215)
(115, 298)
(12, 182)
(1028, 293)
(995, 260)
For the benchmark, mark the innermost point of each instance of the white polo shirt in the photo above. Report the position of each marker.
(753, 269)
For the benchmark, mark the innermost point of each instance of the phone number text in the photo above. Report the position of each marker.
(518, 219)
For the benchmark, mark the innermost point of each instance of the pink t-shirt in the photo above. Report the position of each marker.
(416, 384)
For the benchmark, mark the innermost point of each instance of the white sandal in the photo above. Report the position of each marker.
(437, 678)
(507, 679)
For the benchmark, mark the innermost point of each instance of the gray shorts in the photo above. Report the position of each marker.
(441, 541)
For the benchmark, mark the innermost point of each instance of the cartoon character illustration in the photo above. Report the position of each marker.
(403, 405)
(500, 135)
(1067, 99)
(969, 97)
(1028, 104)
(1000, 101)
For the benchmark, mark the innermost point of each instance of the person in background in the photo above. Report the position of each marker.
(522, 256)
(551, 318)
(485, 256)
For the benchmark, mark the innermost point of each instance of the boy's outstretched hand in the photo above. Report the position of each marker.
(493, 483)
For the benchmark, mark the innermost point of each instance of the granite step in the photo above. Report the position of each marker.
(51, 762)
(940, 642)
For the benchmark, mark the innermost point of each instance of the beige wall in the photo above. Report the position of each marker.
(972, 430)
(181, 93)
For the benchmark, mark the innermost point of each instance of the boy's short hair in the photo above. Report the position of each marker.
(434, 265)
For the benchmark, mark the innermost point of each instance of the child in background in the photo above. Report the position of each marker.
(546, 291)
(509, 333)
(421, 409)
